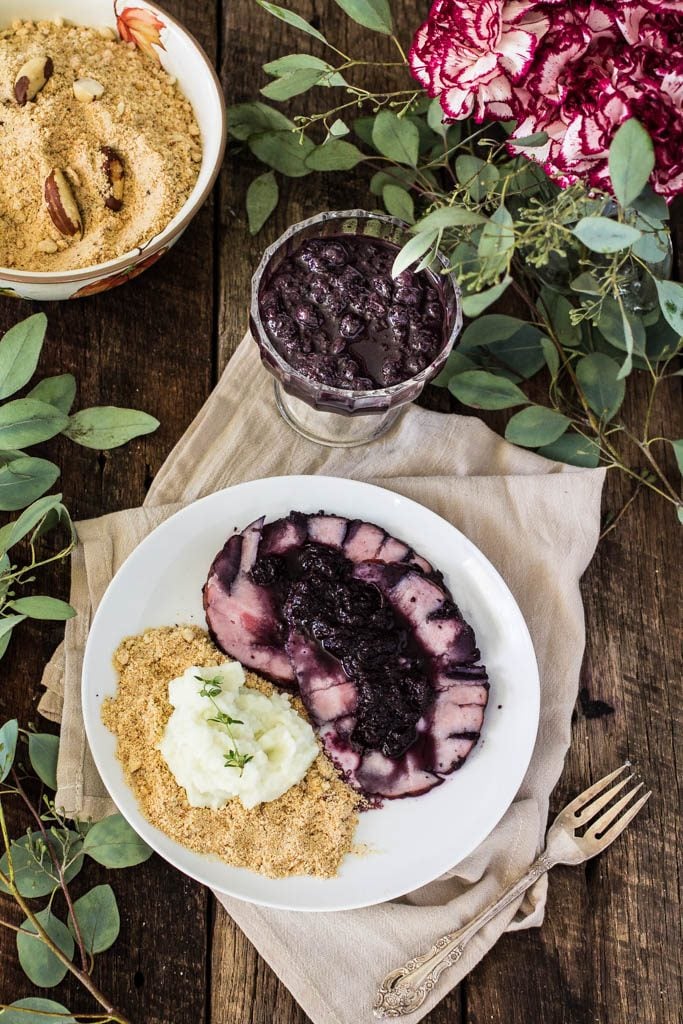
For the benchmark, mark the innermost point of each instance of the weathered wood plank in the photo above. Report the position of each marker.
(127, 347)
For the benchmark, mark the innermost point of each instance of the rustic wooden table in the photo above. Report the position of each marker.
(608, 951)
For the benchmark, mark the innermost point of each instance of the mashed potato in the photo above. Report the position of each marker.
(218, 720)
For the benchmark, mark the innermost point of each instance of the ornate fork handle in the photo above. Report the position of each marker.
(406, 988)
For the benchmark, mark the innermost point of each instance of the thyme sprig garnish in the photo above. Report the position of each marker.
(210, 689)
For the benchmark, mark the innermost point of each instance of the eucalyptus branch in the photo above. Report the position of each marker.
(58, 868)
(40, 934)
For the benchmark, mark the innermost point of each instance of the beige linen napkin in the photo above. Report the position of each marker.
(536, 520)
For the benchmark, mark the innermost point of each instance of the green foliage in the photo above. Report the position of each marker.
(485, 390)
(22, 1015)
(631, 161)
(8, 746)
(38, 962)
(19, 353)
(372, 14)
(396, 138)
(334, 155)
(399, 203)
(262, 197)
(536, 426)
(602, 234)
(586, 266)
(598, 376)
(43, 749)
(98, 919)
(34, 872)
(113, 842)
(108, 427)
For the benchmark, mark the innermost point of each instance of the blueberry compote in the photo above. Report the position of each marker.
(334, 313)
(351, 621)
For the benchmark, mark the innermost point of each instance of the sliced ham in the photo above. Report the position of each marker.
(243, 618)
(430, 721)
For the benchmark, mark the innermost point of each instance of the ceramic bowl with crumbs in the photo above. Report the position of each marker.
(113, 135)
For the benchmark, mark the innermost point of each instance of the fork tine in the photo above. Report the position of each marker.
(580, 801)
(608, 837)
(591, 809)
(606, 819)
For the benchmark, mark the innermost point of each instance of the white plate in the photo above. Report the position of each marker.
(412, 840)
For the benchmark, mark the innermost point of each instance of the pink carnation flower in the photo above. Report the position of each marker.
(575, 71)
(470, 53)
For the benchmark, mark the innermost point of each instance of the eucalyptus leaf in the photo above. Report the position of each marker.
(402, 176)
(25, 421)
(29, 519)
(455, 363)
(302, 61)
(473, 305)
(602, 234)
(107, 426)
(338, 128)
(488, 329)
(585, 284)
(435, 118)
(41, 607)
(573, 449)
(598, 376)
(450, 217)
(4, 644)
(484, 390)
(623, 331)
(58, 1014)
(551, 356)
(372, 14)
(19, 353)
(653, 245)
(293, 84)
(34, 873)
(399, 203)
(262, 198)
(531, 141)
(37, 960)
(671, 302)
(8, 746)
(8, 622)
(521, 353)
(477, 175)
(396, 138)
(247, 119)
(558, 309)
(412, 251)
(115, 844)
(651, 205)
(631, 160)
(334, 155)
(536, 426)
(678, 452)
(290, 18)
(284, 151)
(661, 340)
(43, 749)
(497, 240)
(98, 919)
(23, 480)
(59, 391)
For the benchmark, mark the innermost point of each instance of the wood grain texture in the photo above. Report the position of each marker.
(609, 950)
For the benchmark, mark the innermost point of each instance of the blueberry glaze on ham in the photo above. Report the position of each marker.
(367, 631)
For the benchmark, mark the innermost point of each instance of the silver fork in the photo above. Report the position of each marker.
(406, 988)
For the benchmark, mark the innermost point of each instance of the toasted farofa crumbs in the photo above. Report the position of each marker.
(102, 94)
(307, 831)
